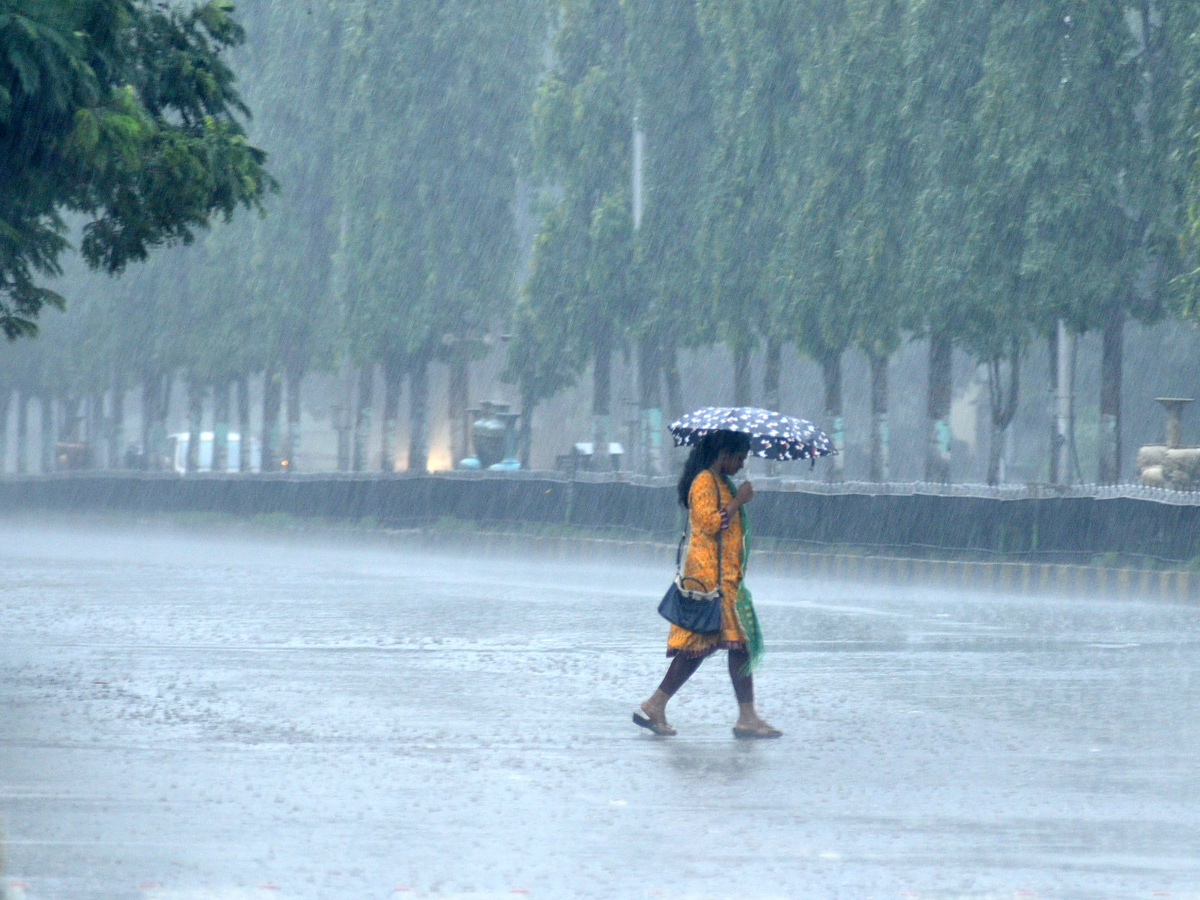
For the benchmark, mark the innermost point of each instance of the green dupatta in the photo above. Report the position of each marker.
(743, 604)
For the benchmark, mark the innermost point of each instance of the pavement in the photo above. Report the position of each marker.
(194, 713)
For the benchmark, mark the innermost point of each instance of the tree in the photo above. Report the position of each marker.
(816, 193)
(673, 100)
(582, 119)
(282, 264)
(1079, 125)
(944, 47)
(756, 74)
(437, 104)
(121, 111)
(540, 361)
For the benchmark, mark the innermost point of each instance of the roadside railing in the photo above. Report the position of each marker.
(1077, 524)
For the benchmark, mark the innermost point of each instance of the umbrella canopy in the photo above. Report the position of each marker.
(772, 435)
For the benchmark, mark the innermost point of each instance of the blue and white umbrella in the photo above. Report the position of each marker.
(772, 435)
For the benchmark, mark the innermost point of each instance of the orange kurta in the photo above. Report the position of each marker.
(707, 497)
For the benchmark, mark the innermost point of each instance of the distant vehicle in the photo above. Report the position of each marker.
(177, 447)
(68, 456)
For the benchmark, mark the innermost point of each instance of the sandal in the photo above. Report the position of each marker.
(759, 731)
(658, 726)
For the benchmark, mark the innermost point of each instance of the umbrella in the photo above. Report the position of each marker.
(772, 435)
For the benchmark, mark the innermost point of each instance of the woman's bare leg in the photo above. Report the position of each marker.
(680, 670)
(743, 689)
(743, 682)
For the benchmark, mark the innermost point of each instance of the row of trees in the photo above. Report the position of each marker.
(843, 176)
(396, 131)
(653, 177)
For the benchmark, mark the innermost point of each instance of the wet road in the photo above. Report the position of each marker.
(233, 716)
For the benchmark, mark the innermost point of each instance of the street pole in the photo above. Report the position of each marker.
(649, 373)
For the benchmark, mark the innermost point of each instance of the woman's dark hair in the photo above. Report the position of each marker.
(704, 454)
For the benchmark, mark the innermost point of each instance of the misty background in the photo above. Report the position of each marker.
(605, 214)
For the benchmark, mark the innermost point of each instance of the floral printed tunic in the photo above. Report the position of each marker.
(708, 498)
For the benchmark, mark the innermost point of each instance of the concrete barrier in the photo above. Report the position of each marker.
(990, 528)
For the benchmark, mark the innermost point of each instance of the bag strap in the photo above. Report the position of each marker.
(720, 580)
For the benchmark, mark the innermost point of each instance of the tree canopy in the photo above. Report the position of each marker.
(124, 114)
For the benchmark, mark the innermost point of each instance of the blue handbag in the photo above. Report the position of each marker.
(695, 609)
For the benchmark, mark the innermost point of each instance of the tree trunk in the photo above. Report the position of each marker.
(1110, 399)
(98, 430)
(343, 415)
(1066, 463)
(5, 404)
(245, 444)
(195, 417)
(393, 378)
(674, 384)
(650, 405)
(49, 434)
(163, 397)
(525, 430)
(771, 377)
(147, 410)
(294, 390)
(220, 446)
(69, 424)
(1055, 436)
(418, 414)
(458, 398)
(939, 438)
(116, 425)
(601, 403)
(86, 431)
(673, 455)
(995, 453)
(772, 371)
(22, 461)
(743, 393)
(1003, 405)
(880, 470)
(362, 417)
(831, 372)
(272, 400)
(156, 398)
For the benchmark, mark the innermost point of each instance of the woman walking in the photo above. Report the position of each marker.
(717, 523)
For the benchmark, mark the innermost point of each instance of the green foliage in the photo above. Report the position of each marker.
(765, 111)
(583, 251)
(866, 103)
(437, 101)
(944, 47)
(1078, 165)
(122, 111)
(671, 81)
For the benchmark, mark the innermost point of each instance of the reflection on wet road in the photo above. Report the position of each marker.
(237, 716)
